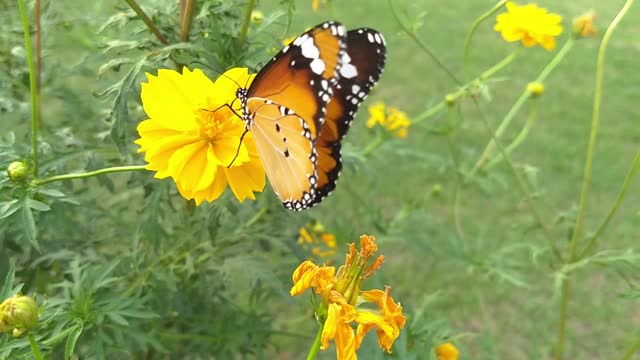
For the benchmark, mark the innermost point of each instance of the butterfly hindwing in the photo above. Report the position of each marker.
(285, 107)
(360, 70)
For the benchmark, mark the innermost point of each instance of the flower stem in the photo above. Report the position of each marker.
(616, 205)
(186, 18)
(35, 109)
(519, 102)
(586, 180)
(465, 88)
(315, 347)
(413, 37)
(147, 20)
(520, 138)
(34, 347)
(245, 24)
(459, 180)
(474, 27)
(89, 174)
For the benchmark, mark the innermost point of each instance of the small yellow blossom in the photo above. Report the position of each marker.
(18, 315)
(391, 119)
(342, 301)
(315, 240)
(529, 24)
(535, 88)
(257, 17)
(192, 137)
(583, 25)
(447, 351)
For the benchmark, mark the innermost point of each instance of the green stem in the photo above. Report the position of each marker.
(147, 20)
(616, 204)
(315, 347)
(520, 138)
(413, 37)
(89, 174)
(474, 27)
(34, 347)
(524, 188)
(586, 180)
(456, 163)
(35, 109)
(245, 24)
(632, 350)
(464, 89)
(373, 145)
(519, 102)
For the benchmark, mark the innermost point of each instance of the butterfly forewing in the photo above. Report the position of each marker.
(285, 107)
(360, 70)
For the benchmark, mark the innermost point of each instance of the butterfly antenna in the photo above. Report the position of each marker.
(238, 149)
(212, 69)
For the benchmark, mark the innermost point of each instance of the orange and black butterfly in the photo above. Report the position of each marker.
(301, 104)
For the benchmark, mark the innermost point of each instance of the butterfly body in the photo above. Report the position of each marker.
(301, 104)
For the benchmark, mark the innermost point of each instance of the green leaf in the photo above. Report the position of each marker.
(51, 192)
(29, 224)
(37, 205)
(120, 111)
(70, 345)
(7, 208)
(8, 282)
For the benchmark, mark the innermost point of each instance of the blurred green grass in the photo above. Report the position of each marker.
(424, 256)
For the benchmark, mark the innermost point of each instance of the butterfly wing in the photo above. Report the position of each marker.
(360, 70)
(286, 106)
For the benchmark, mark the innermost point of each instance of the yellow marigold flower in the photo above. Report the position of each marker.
(529, 24)
(391, 119)
(447, 351)
(342, 301)
(192, 137)
(583, 25)
(314, 239)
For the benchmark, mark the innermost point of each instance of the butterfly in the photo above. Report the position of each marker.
(301, 104)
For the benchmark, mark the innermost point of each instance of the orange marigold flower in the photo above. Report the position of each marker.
(192, 137)
(583, 25)
(530, 25)
(342, 301)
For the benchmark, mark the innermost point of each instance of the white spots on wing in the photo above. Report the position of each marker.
(317, 66)
(284, 50)
(309, 49)
(325, 84)
(355, 101)
(348, 71)
(378, 38)
(340, 30)
(355, 88)
(293, 62)
(325, 97)
(300, 39)
(370, 37)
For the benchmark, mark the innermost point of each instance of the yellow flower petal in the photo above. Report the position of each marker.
(530, 25)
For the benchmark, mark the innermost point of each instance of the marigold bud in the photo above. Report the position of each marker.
(18, 315)
(446, 351)
(18, 171)
(535, 88)
(583, 25)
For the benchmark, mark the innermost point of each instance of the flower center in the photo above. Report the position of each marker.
(213, 124)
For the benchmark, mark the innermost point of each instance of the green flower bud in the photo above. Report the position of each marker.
(450, 99)
(436, 190)
(18, 315)
(18, 171)
(257, 17)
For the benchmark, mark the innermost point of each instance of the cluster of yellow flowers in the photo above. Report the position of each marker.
(316, 241)
(390, 118)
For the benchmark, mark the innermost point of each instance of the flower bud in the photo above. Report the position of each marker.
(257, 16)
(18, 171)
(583, 25)
(446, 351)
(436, 190)
(18, 315)
(450, 99)
(535, 88)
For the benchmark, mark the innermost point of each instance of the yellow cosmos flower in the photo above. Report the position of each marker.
(446, 351)
(192, 138)
(529, 24)
(345, 306)
(391, 119)
(314, 239)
